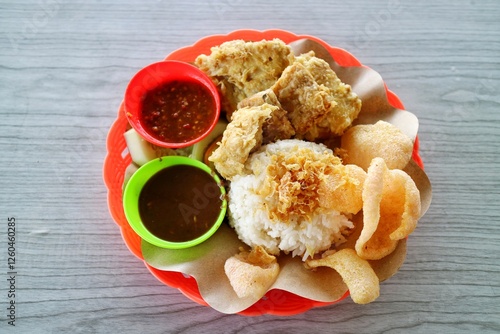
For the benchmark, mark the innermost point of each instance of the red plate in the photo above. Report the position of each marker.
(275, 302)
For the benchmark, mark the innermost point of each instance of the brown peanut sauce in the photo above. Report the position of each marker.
(180, 203)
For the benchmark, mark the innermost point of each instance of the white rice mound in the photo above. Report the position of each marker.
(248, 213)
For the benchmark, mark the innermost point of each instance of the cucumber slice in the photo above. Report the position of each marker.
(200, 147)
(141, 151)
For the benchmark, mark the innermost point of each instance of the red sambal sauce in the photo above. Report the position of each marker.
(178, 111)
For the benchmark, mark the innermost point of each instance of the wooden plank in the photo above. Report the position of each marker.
(64, 67)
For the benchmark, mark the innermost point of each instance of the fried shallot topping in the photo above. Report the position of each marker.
(296, 177)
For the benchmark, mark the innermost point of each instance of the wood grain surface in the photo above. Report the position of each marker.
(64, 66)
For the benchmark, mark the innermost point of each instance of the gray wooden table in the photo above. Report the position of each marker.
(64, 66)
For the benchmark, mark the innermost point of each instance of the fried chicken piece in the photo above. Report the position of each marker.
(242, 136)
(306, 102)
(277, 126)
(347, 103)
(241, 69)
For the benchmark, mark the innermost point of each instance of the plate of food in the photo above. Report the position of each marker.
(319, 170)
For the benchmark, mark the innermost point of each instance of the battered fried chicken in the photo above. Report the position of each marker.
(347, 104)
(241, 69)
(269, 95)
(277, 126)
(242, 136)
(306, 102)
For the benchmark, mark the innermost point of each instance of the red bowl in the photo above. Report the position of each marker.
(276, 302)
(156, 75)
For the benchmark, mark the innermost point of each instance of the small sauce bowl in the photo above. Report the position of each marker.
(172, 104)
(174, 202)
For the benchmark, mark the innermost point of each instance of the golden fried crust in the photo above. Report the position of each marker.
(306, 102)
(241, 69)
(277, 126)
(347, 103)
(242, 136)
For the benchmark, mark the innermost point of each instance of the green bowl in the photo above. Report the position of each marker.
(133, 190)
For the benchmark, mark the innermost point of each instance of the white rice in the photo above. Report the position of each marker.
(249, 216)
